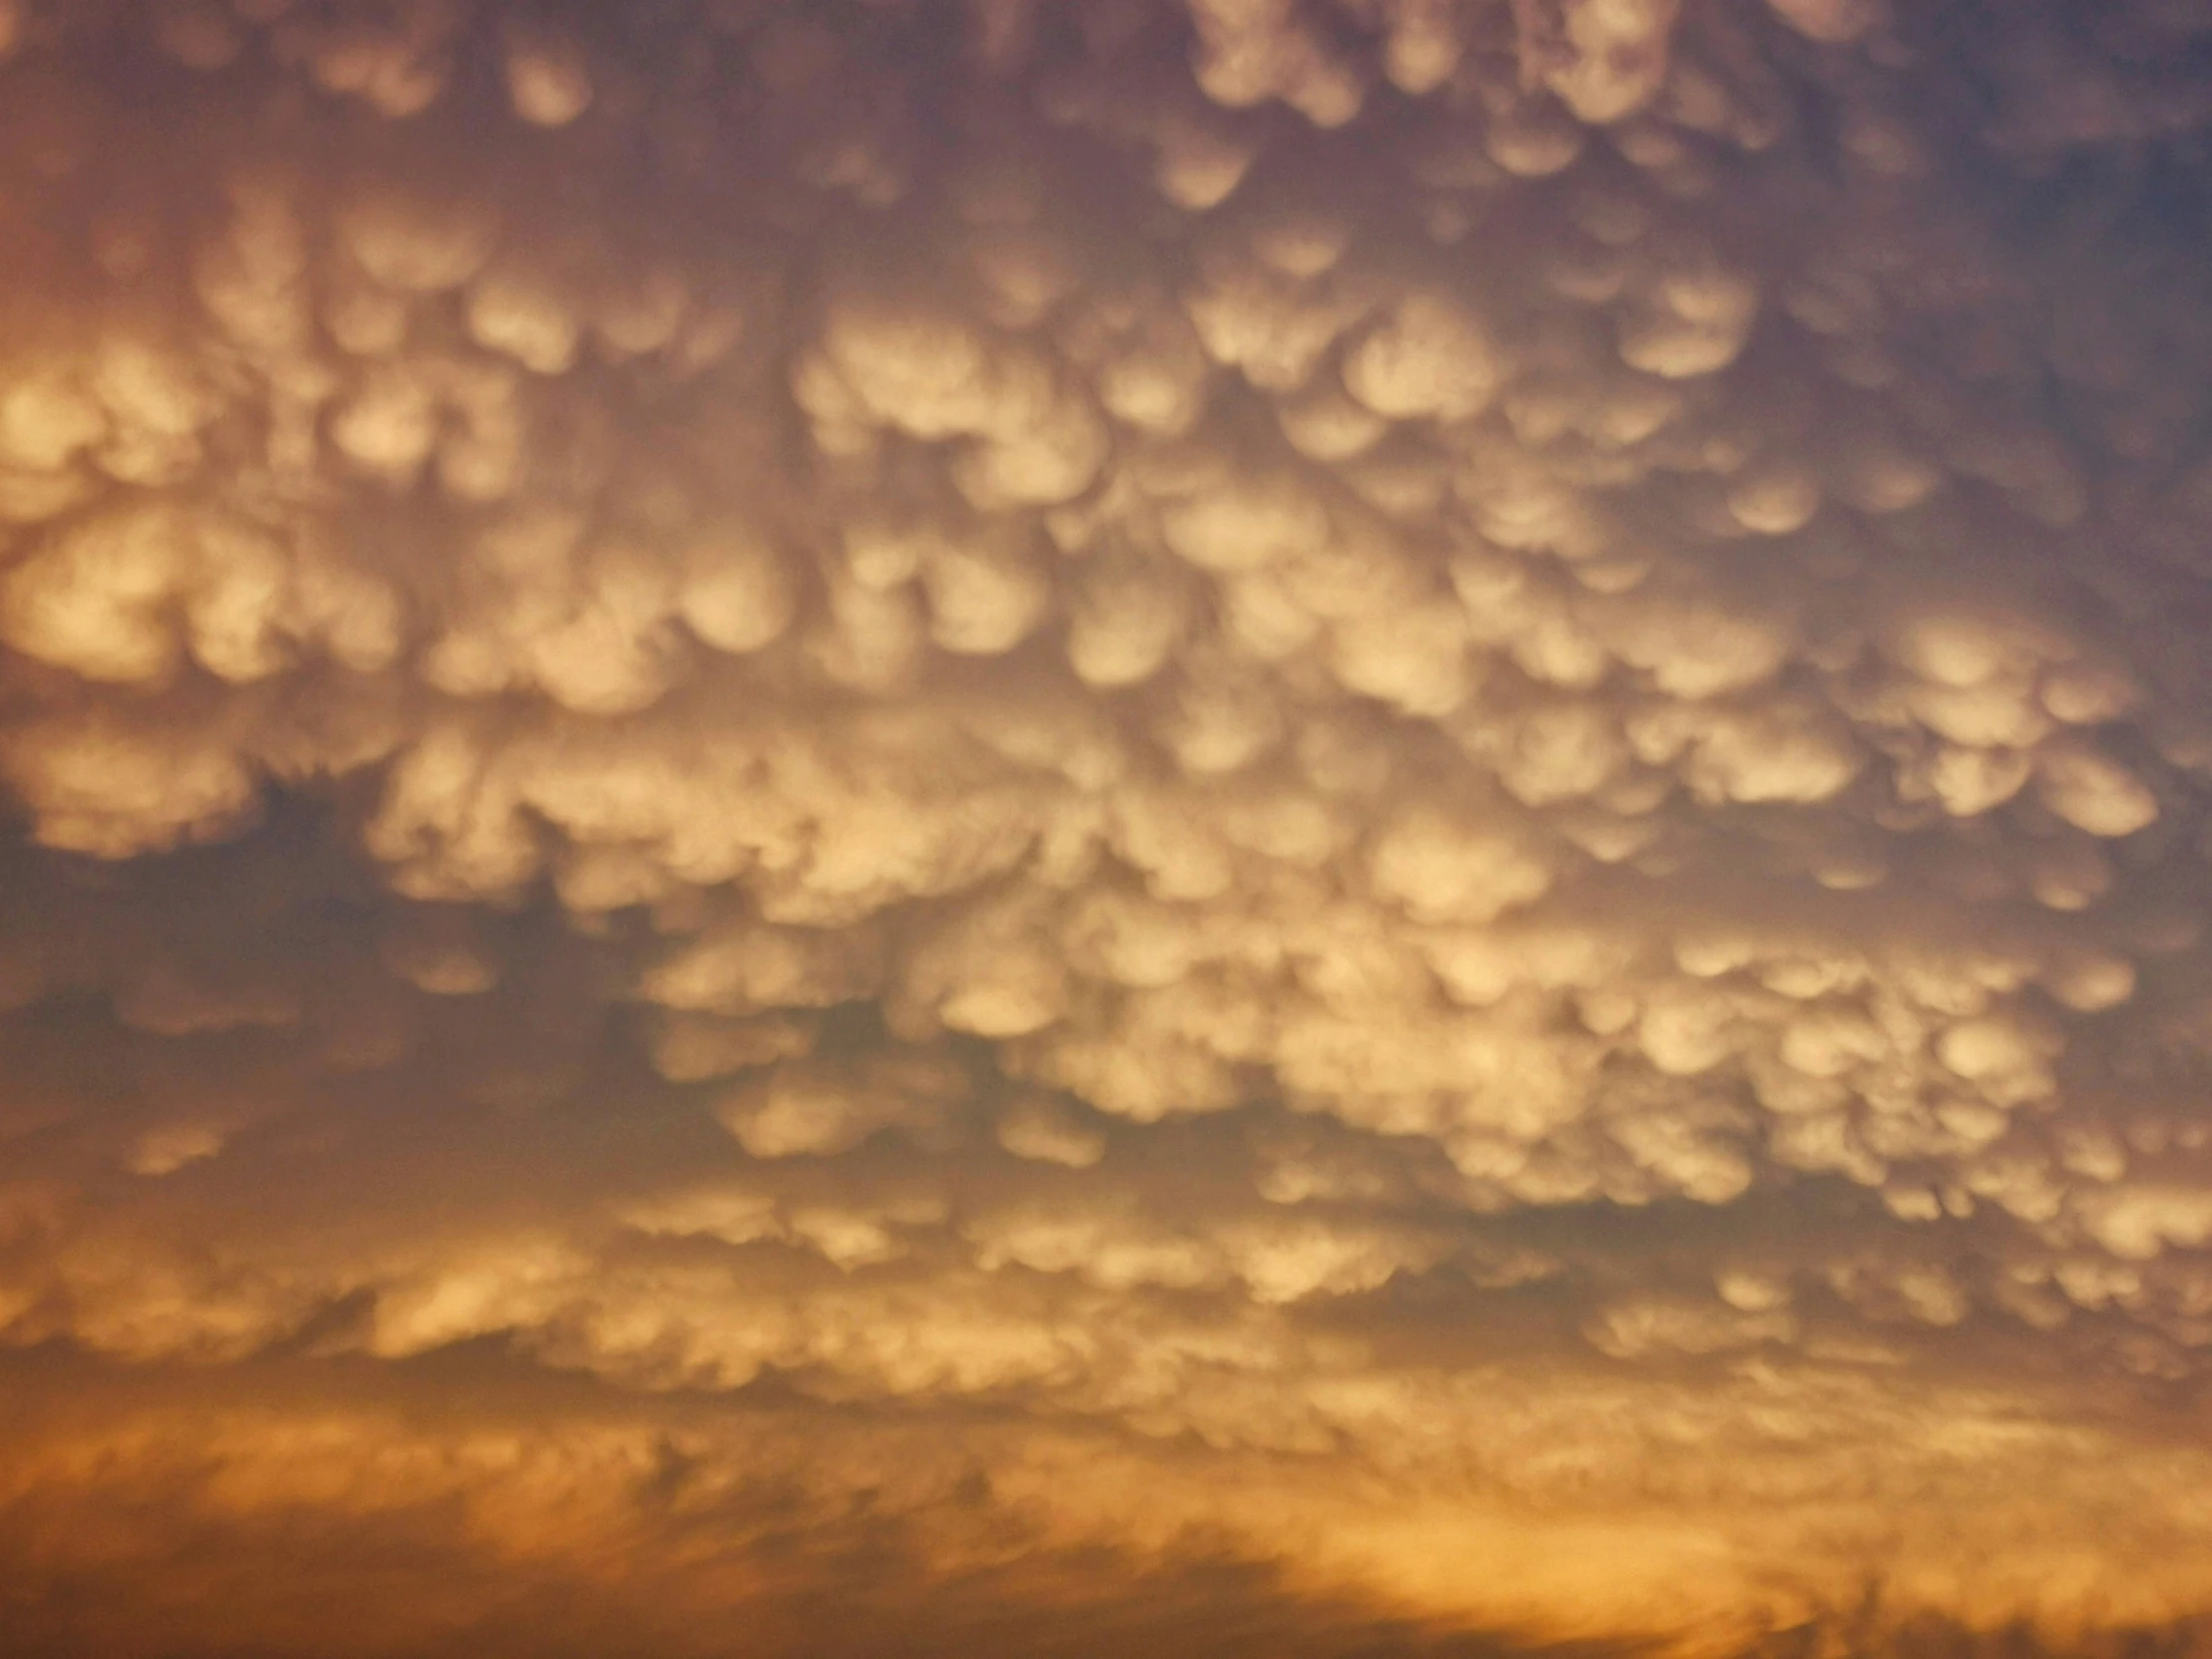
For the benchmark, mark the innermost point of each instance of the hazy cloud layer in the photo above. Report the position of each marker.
(1370, 823)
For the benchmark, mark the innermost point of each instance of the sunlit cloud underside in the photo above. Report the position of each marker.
(1074, 827)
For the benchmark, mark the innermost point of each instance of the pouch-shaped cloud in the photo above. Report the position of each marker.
(1375, 820)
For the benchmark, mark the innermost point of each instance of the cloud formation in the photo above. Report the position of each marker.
(983, 806)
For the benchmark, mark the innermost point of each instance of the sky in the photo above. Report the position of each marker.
(1314, 829)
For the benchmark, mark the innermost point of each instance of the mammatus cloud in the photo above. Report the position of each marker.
(1367, 825)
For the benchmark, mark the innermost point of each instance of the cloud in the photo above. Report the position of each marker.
(1399, 799)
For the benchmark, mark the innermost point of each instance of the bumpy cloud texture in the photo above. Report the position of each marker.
(1329, 825)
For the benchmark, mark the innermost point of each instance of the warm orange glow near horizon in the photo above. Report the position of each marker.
(911, 827)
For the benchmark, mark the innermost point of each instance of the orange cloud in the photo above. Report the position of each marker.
(1311, 821)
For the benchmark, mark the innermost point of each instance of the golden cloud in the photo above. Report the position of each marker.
(1348, 824)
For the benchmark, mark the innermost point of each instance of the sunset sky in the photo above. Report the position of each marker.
(1205, 828)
